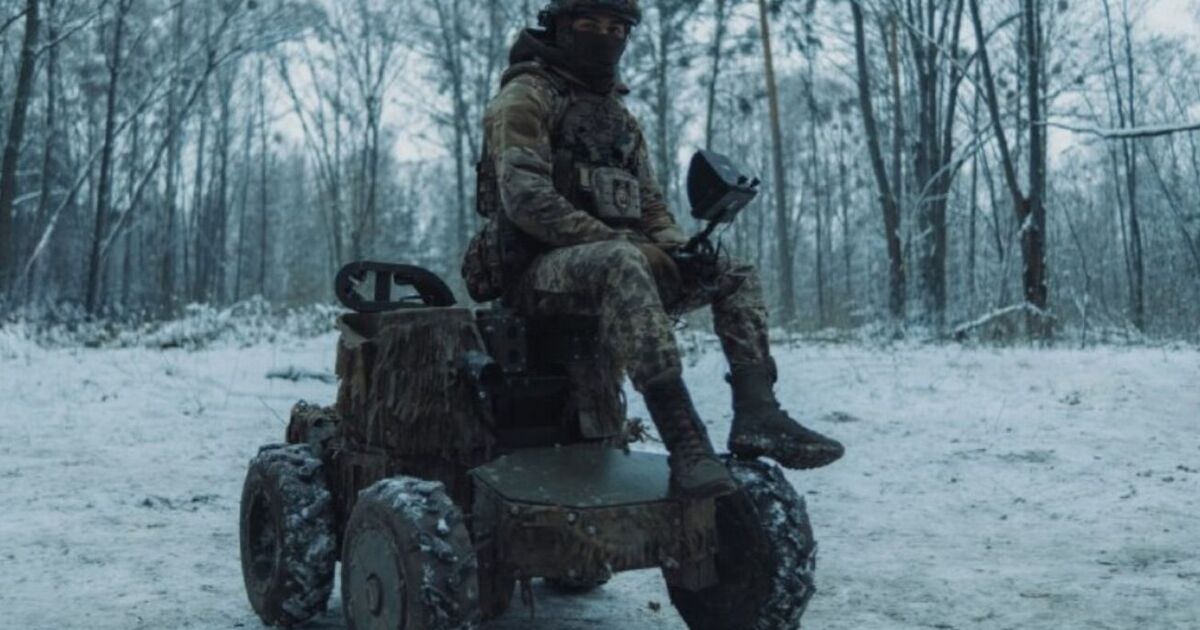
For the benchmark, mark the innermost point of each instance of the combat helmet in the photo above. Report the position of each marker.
(627, 10)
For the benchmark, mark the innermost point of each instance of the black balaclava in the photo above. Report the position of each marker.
(593, 57)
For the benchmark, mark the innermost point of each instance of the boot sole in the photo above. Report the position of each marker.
(807, 457)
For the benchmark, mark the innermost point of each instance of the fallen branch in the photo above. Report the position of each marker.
(961, 331)
(295, 375)
(1152, 131)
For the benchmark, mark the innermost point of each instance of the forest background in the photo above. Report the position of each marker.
(1014, 168)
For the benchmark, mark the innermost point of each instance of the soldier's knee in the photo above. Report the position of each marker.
(623, 267)
(623, 257)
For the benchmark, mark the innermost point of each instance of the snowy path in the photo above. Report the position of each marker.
(984, 489)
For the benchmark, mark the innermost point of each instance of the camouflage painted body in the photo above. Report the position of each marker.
(616, 281)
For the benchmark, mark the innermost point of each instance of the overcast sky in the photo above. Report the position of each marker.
(1174, 17)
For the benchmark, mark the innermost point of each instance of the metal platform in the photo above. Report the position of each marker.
(580, 476)
(586, 512)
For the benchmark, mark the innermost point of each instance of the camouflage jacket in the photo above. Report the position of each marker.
(542, 129)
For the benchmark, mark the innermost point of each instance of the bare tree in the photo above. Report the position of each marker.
(469, 70)
(716, 59)
(784, 258)
(1126, 110)
(114, 63)
(934, 46)
(264, 184)
(15, 138)
(887, 195)
(1030, 208)
(666, 31)
(162, 169)
(169, 303)
(51, 164)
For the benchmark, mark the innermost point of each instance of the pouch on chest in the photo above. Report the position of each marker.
(598, 149)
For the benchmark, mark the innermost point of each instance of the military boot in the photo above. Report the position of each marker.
(762, 428)
(696, 471)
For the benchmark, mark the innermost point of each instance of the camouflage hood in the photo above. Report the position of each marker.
(532, 45)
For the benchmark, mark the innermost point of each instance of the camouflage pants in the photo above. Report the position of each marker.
(635, 299)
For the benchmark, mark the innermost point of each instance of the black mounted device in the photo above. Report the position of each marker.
(718, 192)
(716, 189)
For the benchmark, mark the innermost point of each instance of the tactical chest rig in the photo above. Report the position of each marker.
(596, 146)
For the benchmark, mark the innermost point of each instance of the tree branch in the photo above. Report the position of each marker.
(1126, 133)
(12, 20)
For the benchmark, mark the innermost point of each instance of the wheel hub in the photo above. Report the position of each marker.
(375, 583)
(374, 595)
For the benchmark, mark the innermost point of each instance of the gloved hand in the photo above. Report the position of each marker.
(666, 272)
(670, 238)
(699, 265)
(670, 246)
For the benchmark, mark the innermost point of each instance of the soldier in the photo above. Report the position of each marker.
(578, 225)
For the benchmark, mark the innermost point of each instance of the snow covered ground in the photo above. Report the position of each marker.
(983, 488)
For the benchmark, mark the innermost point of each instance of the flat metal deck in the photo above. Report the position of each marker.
(581, 476)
